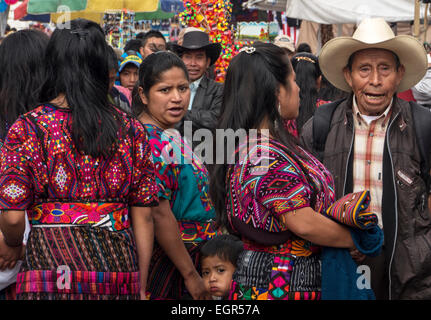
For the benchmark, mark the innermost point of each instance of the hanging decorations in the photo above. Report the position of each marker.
(119, 26)
(213, 16)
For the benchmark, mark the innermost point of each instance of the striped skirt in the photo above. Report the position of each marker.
(164, 280)
(287, 272)
(8, 293)
(79, 263)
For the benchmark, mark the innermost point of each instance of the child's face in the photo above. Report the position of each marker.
(128, 76)
(217, 275)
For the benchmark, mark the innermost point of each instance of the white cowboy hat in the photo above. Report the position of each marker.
(373, 33)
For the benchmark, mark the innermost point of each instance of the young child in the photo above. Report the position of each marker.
(128, 71)
(218, 262)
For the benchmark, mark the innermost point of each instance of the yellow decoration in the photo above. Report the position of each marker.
(199, 18)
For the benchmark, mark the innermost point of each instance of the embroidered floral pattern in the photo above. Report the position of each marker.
(39, 163)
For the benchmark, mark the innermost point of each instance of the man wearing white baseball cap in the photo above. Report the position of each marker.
(285, 42)
(374, 141)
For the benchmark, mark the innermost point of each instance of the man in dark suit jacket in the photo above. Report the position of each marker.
(198, 54)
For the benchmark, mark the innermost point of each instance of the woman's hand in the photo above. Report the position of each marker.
(357, 256)
(9, 255)
(143, 294)
(196, 287)
(169, 238)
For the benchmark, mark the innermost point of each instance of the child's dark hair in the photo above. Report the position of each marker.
(225, 246)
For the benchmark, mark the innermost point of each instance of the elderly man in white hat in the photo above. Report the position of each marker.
(373, 141)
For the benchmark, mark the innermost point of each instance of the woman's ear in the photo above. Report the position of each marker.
(142, 96)
(278, 94)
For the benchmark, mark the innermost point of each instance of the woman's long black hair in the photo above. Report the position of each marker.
(77, 66)
(249, 97)
(306, 66)
(21, 74)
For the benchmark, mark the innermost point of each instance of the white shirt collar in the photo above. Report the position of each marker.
(195, 84)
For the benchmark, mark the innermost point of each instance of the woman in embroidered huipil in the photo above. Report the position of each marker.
(77, 165)
(183, 219)
(272, 191)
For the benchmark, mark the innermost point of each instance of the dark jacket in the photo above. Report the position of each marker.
(205, 108)
(406, 219)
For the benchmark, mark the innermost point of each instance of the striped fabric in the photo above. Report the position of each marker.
(81, 282)
(8, 293)
(351, 210)
(164, 280)
(101, 264)
(368, 157)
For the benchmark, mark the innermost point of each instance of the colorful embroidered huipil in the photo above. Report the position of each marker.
(183, 180)
(267, 182)
(77, 206)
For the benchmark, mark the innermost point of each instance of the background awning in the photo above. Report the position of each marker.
(91, 6)
(340, 11)
(351, 11)
(272, 5)
(160, 14)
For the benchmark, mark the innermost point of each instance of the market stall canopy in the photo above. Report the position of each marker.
(91, 6)
(20, 13)
(3, 6)
(272, 5)
(352, 11)
(43, 18)
(156, 15)
(167, 9)
(340, 11)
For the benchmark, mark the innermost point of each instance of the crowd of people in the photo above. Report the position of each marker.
(105, 194)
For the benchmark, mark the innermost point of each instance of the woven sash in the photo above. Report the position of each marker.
(113, 216)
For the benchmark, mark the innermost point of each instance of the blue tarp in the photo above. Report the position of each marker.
(44, 18)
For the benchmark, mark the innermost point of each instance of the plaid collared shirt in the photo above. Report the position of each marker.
(368, 156)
